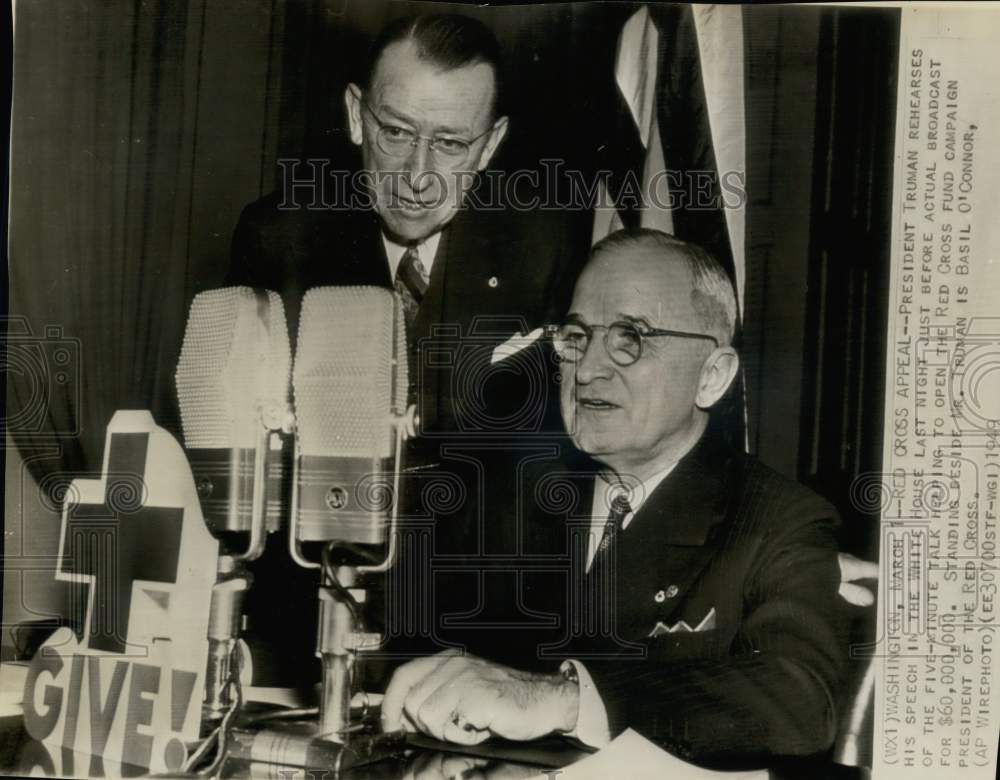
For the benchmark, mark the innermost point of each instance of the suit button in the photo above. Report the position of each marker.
(493, 281)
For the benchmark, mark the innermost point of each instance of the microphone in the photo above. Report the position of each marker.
(350, 384)
(232, 387)
(232, 383)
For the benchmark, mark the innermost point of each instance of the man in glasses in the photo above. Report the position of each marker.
(693, 590)
(427, 119)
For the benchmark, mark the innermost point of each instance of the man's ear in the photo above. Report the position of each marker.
(496, 136)
(717, 373)
(352, 102)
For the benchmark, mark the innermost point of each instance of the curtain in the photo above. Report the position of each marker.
(137, 133)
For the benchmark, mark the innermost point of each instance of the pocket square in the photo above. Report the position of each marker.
(515, 344)
(681, 626)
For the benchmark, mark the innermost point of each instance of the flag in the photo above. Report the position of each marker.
(680, 148)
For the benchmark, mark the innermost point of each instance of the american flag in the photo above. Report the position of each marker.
(681, 129)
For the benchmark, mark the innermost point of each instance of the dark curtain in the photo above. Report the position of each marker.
(137, 130)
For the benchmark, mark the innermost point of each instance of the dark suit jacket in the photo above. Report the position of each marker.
(721, 532)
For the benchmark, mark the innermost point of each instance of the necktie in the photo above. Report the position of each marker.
(598, 589)
(620, 509)
(411, 284)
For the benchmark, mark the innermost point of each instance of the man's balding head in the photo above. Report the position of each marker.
(712, 294)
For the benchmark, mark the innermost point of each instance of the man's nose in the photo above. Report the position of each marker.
(596, 363)
(418, 166)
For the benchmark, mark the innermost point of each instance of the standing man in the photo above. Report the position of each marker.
(427, 120)
(693, 590)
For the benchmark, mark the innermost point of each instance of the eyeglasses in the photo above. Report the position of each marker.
(622, 340)
(398, 141)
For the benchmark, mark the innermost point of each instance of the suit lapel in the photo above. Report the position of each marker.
(475, 252)
(453, 253)
(558, 512)
(564, 493)
(346, 249)
(367, 264)
(458, 292)
(673, 536)
(429, 314)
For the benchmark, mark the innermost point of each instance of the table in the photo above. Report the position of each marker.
(424, 759)
(22, 756)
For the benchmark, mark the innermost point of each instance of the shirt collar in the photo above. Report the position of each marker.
(426, 249)
(638, 491)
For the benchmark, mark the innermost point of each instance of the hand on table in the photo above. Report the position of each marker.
(464, 699)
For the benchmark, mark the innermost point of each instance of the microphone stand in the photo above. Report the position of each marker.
(340, 640)
(233, 577)
(224, 624)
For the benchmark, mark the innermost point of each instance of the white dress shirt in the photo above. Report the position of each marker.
(426, 250)
(592, 721)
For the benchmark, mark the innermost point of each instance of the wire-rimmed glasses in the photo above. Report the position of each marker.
(622, 340)
(397, 141)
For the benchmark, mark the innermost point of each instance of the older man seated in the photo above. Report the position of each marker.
(699, 605)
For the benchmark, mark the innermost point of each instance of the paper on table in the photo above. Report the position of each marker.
(634, 755)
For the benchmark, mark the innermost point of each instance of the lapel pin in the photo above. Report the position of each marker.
(671, 591)
(493, 281)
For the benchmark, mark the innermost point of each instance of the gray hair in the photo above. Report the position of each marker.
(712, 296)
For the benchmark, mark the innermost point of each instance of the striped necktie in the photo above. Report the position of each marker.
(620, 509)
(411, 284)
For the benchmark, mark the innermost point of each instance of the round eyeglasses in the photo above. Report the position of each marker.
(622, 340)
(397, 141)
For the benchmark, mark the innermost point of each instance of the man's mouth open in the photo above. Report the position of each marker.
(410, 205)
(595, 404)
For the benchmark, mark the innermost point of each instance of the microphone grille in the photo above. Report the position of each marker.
(235, 359)
(350, 375)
